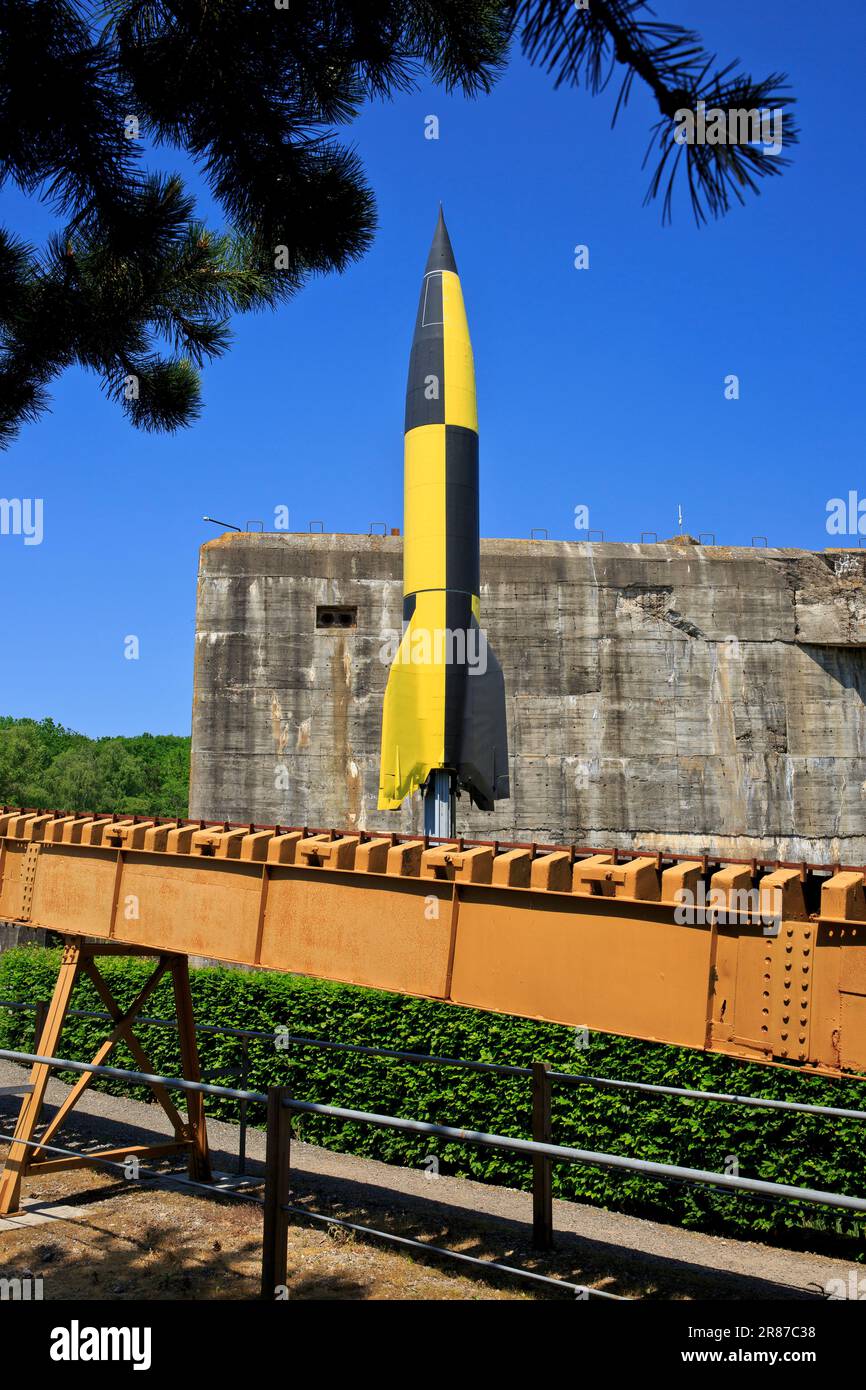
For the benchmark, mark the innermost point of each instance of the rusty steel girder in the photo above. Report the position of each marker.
(762, 963)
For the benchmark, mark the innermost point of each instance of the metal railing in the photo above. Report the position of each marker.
(565, 1078)
(281, 1105)
(274, 1258)
(541, 1081)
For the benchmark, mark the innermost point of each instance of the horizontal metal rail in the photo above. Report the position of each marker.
(570, 1078)
(563, 1078)
(560, 1154)
(528, 1147)
(120, 1074)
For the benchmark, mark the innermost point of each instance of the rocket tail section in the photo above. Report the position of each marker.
(444, 705)
(413, 712)
(482, 767)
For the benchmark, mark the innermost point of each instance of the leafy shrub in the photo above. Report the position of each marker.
(774, 1145)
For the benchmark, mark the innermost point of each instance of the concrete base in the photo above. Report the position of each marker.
(13, 934)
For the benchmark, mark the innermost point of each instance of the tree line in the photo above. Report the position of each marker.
(43, 764)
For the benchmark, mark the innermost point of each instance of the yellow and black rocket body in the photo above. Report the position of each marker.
(445, 701)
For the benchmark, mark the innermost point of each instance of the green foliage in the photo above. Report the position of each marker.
(43, 764)
(773, 1145)
(132, 286)
(623, 38)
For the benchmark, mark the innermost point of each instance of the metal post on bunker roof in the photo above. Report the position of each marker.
(440, 804)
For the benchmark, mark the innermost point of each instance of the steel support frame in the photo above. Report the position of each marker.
(585, 940)
(25, 1156)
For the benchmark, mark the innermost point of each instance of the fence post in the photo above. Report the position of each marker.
(275, 1234)
(542, 1189)
(242, 1137)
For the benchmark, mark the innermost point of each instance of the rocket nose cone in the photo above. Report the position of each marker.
(441, 254)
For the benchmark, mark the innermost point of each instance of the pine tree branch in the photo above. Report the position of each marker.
(589, 45)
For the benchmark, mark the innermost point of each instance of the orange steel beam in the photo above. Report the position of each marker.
(593, 940)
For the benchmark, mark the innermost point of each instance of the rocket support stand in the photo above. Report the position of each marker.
(440, 805)
(27, 1156)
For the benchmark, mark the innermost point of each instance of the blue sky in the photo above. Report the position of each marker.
(602, 387)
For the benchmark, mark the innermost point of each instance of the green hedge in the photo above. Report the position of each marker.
(772, 1145)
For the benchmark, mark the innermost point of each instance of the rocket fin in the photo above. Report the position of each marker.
(413, 712)
(482, 768)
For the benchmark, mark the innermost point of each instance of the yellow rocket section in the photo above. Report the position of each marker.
(426, 700)
(413, 718)
(461, 402)
(424, 522)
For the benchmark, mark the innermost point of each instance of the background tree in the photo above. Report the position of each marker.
(606, 37)
(44, 765)
(134, 288)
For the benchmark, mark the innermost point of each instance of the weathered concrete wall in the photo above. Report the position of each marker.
(12, 934)
(661, 695)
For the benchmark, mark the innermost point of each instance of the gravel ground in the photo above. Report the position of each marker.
(606, 1250)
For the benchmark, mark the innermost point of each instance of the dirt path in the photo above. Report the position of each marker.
(124, 1239)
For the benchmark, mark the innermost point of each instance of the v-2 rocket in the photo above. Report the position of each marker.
(444, 709)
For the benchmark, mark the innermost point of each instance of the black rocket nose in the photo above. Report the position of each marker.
(441, 255)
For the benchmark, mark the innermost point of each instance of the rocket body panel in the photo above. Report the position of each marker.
(440, 510)
(461, 402)
(445, 702)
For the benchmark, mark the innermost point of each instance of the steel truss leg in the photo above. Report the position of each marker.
(190, 1135)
